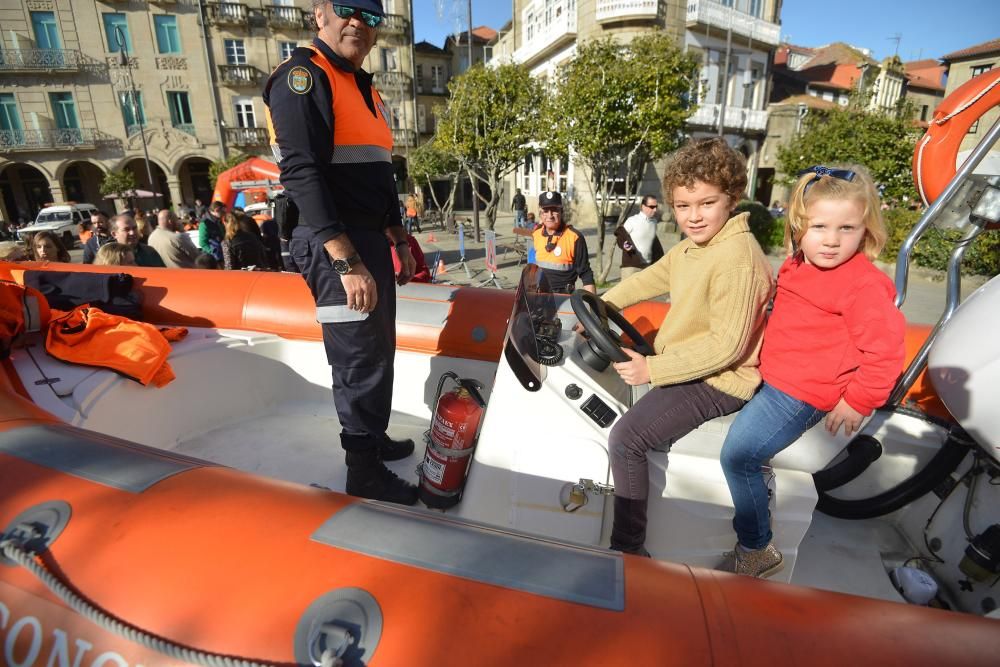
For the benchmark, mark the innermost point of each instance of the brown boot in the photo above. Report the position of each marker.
(628, 532)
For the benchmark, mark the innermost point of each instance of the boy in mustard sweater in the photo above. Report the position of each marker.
(707, 349)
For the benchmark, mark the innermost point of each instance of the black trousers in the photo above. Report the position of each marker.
(360, 347)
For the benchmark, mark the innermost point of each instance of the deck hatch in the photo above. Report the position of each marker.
(478, 552)
(120, 464)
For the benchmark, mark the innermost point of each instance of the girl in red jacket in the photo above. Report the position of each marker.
(833, 346)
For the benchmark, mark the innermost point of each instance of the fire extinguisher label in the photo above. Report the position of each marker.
(433, 470)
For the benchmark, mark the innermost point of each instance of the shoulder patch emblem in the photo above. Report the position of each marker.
(300, 80)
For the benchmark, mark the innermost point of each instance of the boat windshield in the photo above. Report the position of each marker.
(534, 311)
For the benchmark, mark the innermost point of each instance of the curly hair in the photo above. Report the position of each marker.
(710, 161)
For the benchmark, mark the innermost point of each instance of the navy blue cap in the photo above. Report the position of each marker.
(374, 6)
(549, 200)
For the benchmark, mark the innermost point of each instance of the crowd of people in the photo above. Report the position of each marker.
(227, 239)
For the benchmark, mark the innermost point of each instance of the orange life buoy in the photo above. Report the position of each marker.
(934, 160)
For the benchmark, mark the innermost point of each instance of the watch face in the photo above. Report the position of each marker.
(341, 266)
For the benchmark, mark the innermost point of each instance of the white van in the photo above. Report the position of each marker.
(60, 219)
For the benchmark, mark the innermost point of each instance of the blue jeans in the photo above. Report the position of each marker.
(769, 423)
(520, 218)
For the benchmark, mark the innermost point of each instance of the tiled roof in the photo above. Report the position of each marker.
(424, 46)
(992, 46)
(926, 74)
(808, 100)
(838, 53)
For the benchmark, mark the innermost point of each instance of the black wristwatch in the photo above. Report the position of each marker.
(344, 266)
(400, 244)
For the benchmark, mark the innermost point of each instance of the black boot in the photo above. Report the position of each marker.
(628, 532)
(367, 477)
(393, 450)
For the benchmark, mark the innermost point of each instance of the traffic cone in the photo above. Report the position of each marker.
(441, 269)
(430, 237)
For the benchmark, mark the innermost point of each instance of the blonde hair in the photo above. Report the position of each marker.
(861, 189)
(113, 254)
(232, 225)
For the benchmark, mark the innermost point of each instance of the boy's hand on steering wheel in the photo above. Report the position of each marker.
(635, 371)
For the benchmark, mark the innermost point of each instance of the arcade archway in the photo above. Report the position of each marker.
(25, 191)
(159, 185)
(195, 182)
(82, 182)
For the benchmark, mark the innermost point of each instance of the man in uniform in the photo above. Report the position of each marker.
(331, 135)
(560, 250)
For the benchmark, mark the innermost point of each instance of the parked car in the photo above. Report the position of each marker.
(61, 219)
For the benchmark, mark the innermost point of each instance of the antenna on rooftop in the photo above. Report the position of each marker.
(896, 38)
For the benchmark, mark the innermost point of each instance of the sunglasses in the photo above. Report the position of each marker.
(652, 206)
(370, 19)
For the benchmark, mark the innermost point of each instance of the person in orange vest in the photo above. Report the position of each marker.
(560, 250)
(331, 134)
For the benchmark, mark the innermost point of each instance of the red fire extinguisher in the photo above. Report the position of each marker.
(451, 442)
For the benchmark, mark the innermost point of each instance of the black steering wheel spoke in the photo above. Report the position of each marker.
(594, 315)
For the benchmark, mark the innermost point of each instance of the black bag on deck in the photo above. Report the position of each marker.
(65, 290)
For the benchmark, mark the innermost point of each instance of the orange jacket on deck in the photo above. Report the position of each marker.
(91, 337)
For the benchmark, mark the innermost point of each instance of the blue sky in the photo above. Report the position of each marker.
(928, 29)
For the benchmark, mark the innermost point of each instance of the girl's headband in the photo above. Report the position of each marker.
(820, 171)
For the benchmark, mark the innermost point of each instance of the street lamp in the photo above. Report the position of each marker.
(472, 180)
(124, 62)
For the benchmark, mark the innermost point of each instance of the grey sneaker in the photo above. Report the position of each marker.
(760, 563)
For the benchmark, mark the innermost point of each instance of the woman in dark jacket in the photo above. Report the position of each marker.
(242, 247)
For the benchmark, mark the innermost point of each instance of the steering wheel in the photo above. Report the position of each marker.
(601, 341)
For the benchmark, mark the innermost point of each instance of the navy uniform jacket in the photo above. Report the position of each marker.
(357, 190)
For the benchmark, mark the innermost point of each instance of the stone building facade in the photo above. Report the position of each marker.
(68, 115)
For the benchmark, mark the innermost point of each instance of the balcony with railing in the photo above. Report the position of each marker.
(395, 25)
(54, 139)
(186, 127)
(712, 14)
(246, 136)
(404, 137)
(39, 60)
(545, 28)
(626, 10)
(164, 3)
(240, 75)
(739, 119)
(280, 16)
(227, 14)
(388, 81)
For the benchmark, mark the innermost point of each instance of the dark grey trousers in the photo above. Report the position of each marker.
(657, 420)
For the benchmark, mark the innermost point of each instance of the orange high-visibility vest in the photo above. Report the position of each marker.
(358, 135)
(560, 258)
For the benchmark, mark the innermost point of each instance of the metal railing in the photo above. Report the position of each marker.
(246, 136)
(620, 10)
(186, 127)
(227, 13)
(59, 138)
(279, 16)
(712, 13)
(240, 75)
(394, 24)
(34, 60)
(736, 117)
(391, 80)
(404, 137)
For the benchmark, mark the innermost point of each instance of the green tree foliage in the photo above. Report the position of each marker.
(770, 233)
(427, 164)
(881, 141)
(492, 116)
(220, 166)
(933, 249)
(119, 183)
(618, 108)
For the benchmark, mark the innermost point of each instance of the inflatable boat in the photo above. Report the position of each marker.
(203, 521)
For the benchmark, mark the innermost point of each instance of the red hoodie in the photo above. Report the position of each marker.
(834, 333)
